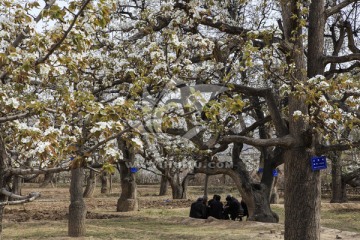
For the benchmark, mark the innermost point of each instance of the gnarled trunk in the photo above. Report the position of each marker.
(77, 208)
(178, 187)
(104, 183)
(3, 179)
(16, 185)
(128, 198)
(48, 177)
(90, 184)
(164, 184)
(337, 185)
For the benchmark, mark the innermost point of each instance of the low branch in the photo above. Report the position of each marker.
(342, 59)
(20, 171)
(337, 8)
(66, 33)
(285, 142)
(337, 147)
(349, 176)
(15, 117)
(31, 197)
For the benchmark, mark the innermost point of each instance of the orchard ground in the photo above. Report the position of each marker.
(158, 218)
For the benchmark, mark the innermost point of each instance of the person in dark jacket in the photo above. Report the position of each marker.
(232, 208)
(244, 207)
(215, 207)
(198, 209)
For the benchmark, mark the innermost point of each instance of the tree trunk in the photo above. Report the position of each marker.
(164, 184)
(336, 179)
(4, 179)
(90, 184)
(185, 183)
(48, 177)
(302, 185)
(206, 184)
(176, 188)
(16, 185)
(77, 208)
(128, 198)
(104, 183)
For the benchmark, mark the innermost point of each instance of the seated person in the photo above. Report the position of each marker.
(244, 207)
(232, 208)
(198, 209)
(215, 207)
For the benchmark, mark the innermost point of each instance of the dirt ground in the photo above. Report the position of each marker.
(53, 205)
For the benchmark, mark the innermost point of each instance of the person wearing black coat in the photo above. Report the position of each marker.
(232, 208)
(198, 209)
(215, 207)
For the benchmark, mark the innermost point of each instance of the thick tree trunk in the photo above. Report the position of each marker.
(302, 185)
(1, 217)
(77, 208)
(336, 179)
(16, 185)
(128, 200)
(90, 184)
(3, 179)
(104, 183)
(48, 178)
(176, 189)
(164, 185)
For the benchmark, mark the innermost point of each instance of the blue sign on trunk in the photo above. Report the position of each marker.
(275, 173)
(318, 163)
(133, 170)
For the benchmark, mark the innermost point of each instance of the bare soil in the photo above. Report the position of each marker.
(163, 212)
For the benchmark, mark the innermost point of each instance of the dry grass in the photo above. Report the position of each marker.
(159, 219)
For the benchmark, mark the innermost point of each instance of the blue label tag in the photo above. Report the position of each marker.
(275, 173)
(133, 170)
(318, 163)
(261, 170)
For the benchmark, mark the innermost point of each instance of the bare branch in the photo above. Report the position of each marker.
(15, 117)
(321, 149)
(31, 197)
(337, 8)
(286, 141)
(342, 59)
(66, 33)
(20, 171)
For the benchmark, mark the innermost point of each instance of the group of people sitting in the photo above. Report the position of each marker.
(233, 209)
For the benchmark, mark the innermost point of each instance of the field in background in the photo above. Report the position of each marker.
(158, 218)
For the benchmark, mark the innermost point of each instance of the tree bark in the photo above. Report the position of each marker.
(164, 184)
(128, 198)
(302, 185)
(90, 184)
(336, 179)
(104, 183)
(48, 177)
(77, 208)
(16, 185)
(176, 187)
(5, 178)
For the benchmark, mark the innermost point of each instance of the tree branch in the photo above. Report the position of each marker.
(337, 8)
(286, 141)
(336, 147)
(66, 33)
(341, 59)
(31, 197)
(20, 171)
(15, 117)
